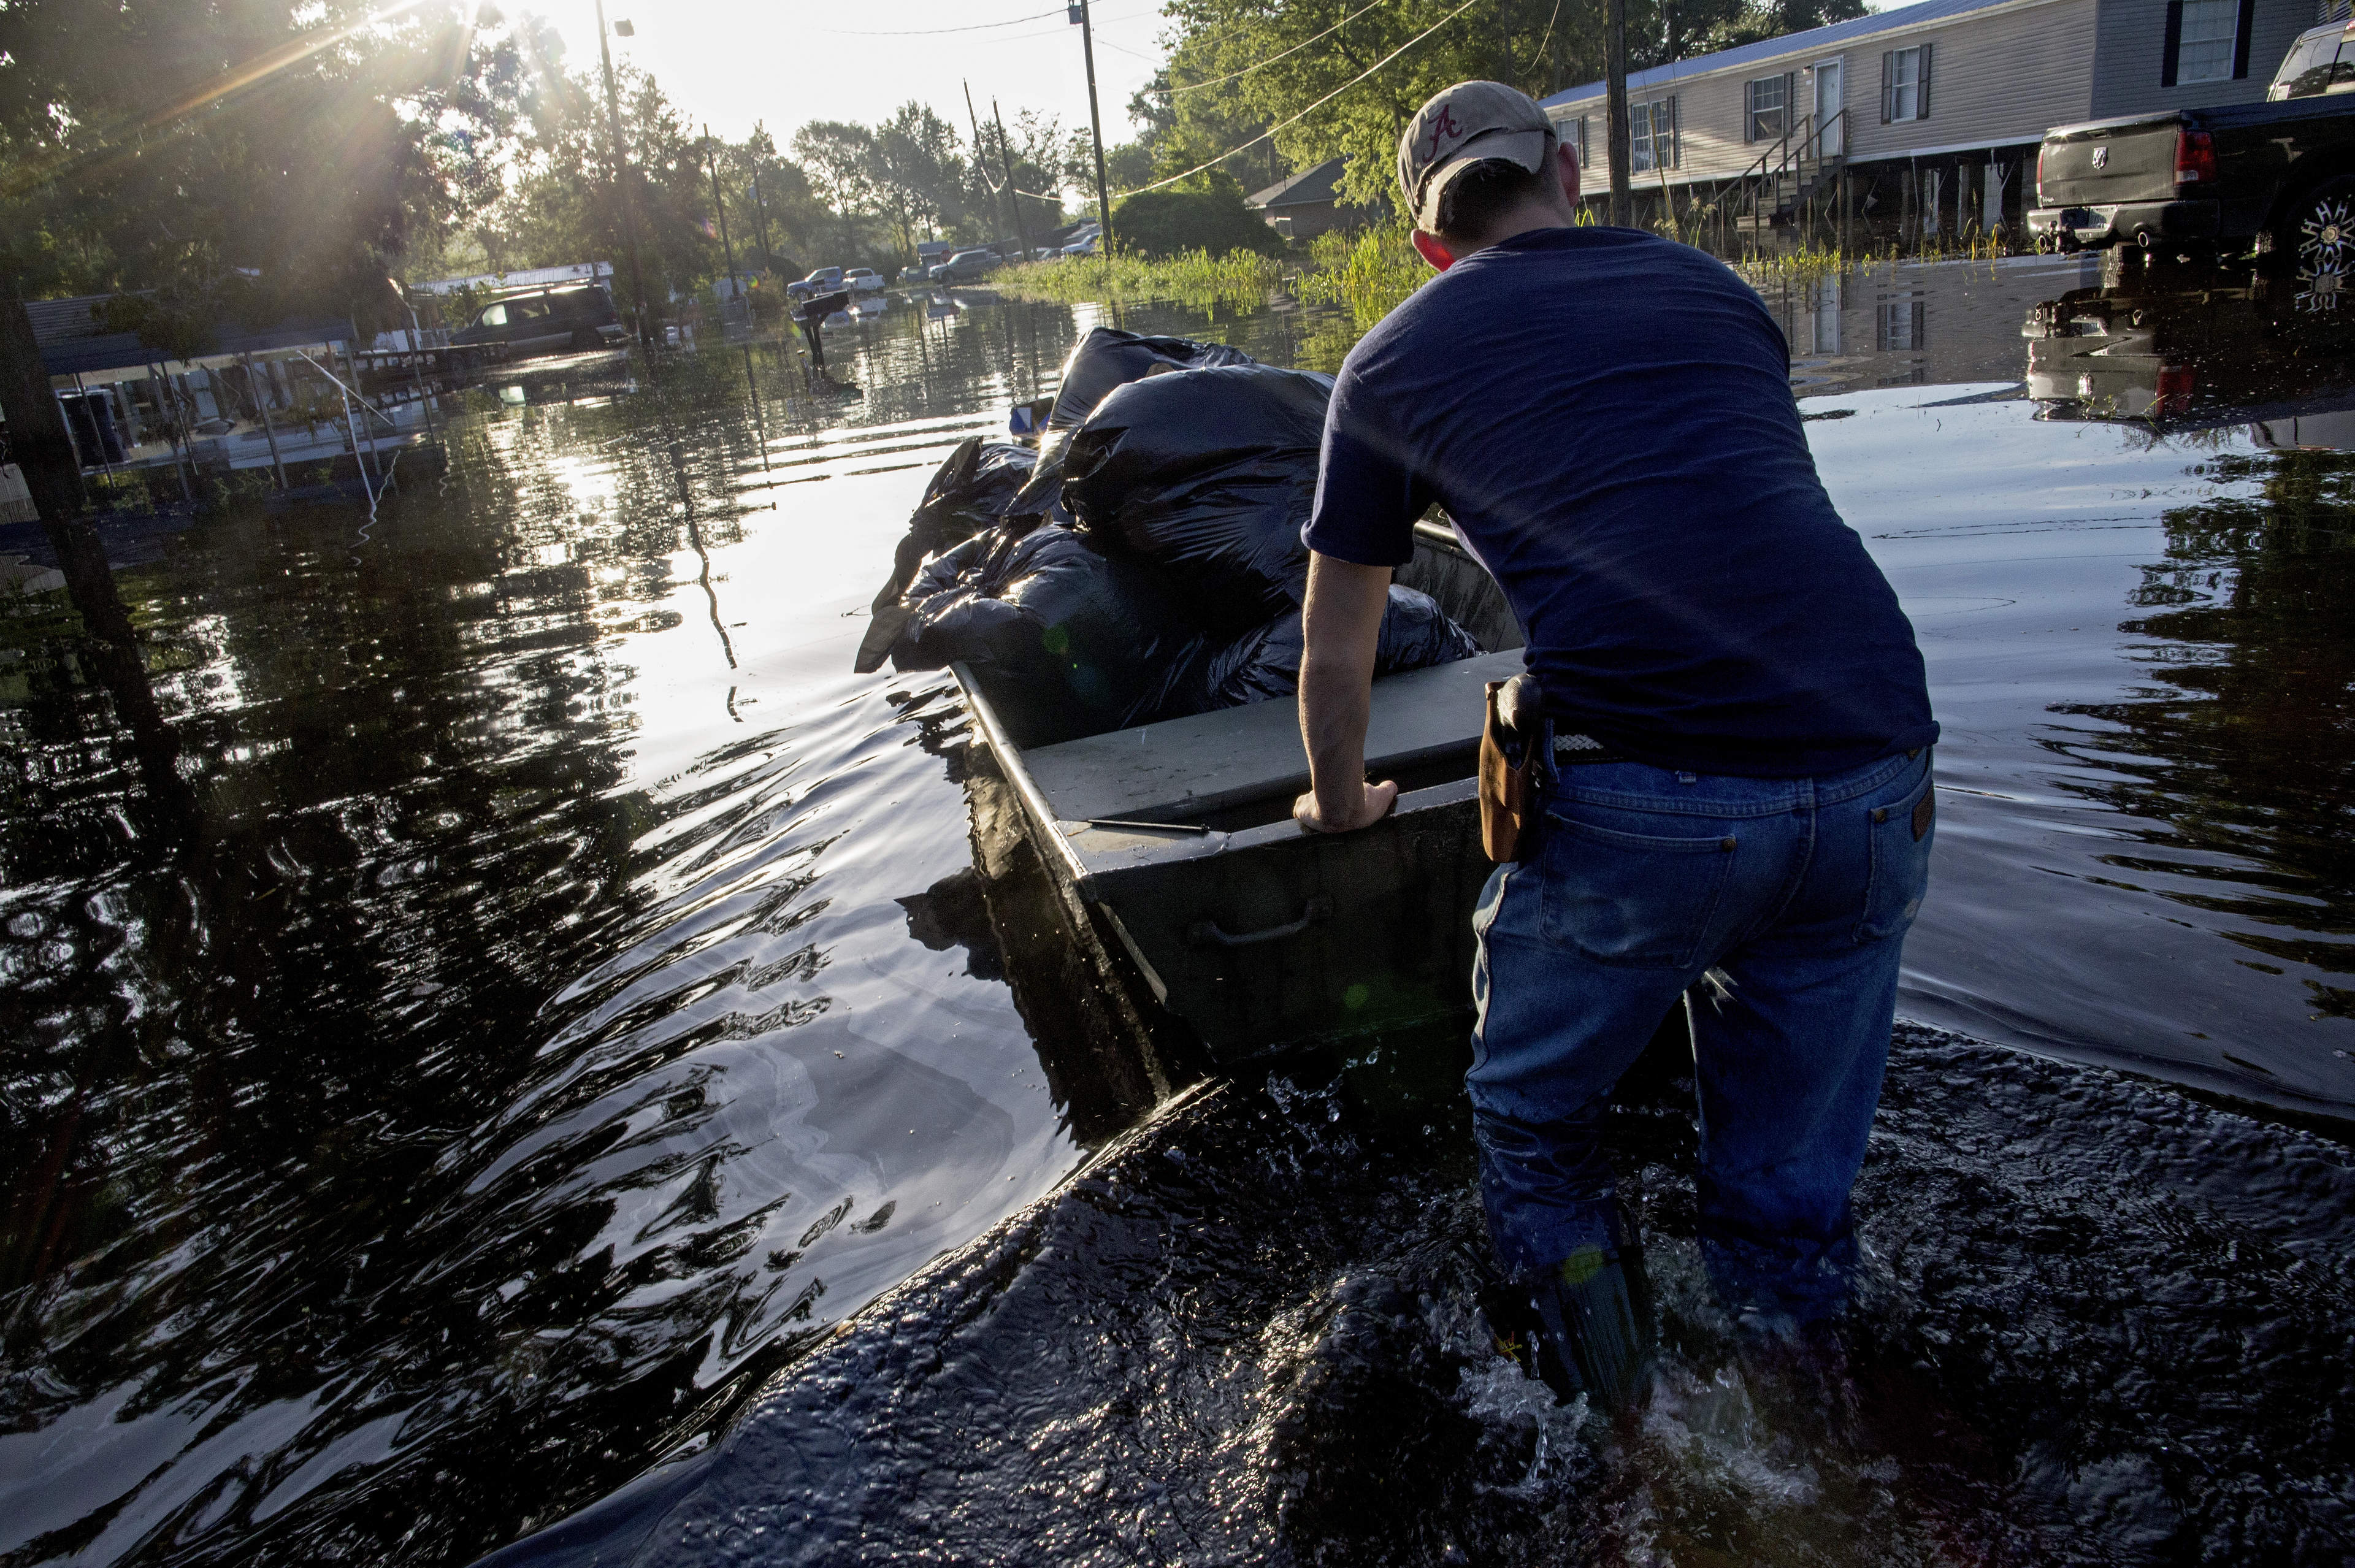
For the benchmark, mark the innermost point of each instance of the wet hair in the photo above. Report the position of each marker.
(1481, 194)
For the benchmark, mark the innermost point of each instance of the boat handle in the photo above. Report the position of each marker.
(1207, 932)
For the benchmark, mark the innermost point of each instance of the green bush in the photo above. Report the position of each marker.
(1158, 223)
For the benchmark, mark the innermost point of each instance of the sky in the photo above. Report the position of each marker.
(733, 64)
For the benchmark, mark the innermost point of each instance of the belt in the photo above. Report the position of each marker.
(1575, 749)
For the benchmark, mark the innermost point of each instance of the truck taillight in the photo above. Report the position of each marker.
(2039, 170)
(2195, 157)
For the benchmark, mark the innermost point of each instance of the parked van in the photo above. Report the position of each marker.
(547, 321)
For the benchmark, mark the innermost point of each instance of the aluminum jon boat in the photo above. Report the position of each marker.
(1175, 842)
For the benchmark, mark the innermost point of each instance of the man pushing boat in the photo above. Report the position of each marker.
(1726, 731)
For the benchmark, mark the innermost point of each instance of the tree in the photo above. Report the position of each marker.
(257, 158)
(839, 158)
(1163, 222)
(919, 172)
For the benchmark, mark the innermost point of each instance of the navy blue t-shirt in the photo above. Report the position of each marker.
(1607, 416)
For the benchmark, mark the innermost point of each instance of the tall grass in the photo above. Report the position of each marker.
(1372, 272)
(1192, 278)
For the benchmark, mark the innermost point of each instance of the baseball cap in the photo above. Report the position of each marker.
(1470, 121)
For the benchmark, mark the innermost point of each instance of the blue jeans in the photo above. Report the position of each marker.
(1787, 902)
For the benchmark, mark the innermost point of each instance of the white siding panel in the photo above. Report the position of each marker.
(1994, 80)
(2128, 57)
(1998, 78)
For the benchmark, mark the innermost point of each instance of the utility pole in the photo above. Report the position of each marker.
(719, 205)
(622, 180)
(761, 216)
(1078, 12)
(1615, 75)
(981, 148)
(1006, 162)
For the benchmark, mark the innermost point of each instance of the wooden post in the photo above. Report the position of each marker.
(1614, 70)
(38, 442)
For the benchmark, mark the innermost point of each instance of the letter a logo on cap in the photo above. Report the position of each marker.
(1442, 127)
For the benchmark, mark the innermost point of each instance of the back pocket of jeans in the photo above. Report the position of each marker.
(1631, 898)
(1902, 836)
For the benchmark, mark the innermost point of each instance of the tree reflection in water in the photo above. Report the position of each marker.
(2245, 748)
(300, 833)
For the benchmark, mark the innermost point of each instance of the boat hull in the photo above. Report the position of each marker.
(1177, 840)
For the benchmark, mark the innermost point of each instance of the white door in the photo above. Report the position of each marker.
(1830, 98)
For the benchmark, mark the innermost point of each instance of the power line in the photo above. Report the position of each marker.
(1233, 75)
(974, 28)
(929, 32)
(1312, 109)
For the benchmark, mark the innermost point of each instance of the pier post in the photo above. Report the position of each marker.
(261, 405)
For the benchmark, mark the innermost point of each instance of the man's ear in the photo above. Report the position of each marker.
(1566, 165)
(1434, 249)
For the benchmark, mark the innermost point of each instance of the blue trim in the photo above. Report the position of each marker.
(1814, 38)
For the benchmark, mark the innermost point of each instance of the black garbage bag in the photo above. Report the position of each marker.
(973, 489)
(1264, 663)
(1065, 640)
(1209, 474)
(1105, 358)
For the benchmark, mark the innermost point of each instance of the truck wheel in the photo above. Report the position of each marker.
(2321, 234)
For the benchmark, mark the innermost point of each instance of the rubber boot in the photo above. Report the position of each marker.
(1597, 1313)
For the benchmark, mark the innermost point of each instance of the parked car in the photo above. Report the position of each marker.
(1083, 247)
(2275, 180)
(861, 280)
(967, 266)
(824, 280)
(547, 321)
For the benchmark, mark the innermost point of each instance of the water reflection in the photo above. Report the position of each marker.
(485, 991)
(456, 1040)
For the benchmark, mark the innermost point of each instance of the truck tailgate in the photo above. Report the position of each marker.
(2109, 162)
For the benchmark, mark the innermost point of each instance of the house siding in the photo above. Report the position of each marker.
(1994, 80)
(2129, 49)
(1998, 77)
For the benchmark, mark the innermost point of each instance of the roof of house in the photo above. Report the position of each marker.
(1308, 186)
(1788, 43)
(73, 337)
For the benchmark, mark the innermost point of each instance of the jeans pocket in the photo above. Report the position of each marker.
(1900, 836)
(1631, 898)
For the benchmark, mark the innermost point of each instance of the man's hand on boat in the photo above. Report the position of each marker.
(1341, 625)
(1372, 804)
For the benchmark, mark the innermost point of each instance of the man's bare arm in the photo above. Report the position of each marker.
(1340, 626)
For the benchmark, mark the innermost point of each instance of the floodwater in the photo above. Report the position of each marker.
(489, 995)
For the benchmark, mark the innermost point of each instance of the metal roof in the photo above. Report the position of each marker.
(1308, 186)
(1775, 48)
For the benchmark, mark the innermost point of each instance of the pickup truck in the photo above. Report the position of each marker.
(2274, 181)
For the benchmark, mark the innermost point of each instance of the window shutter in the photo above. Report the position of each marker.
(1750, 113)
(2172, 45)
(1791, 105)
(1888, 83)
(2241, 41)
(1921, 91)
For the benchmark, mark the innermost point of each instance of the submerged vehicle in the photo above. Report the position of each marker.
(546, 321)
(1173, 843)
